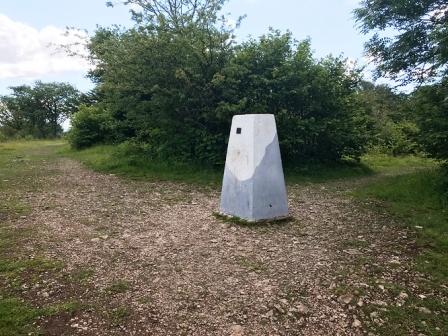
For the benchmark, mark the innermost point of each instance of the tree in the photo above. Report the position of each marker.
(176, 14)
(155, 79)
(430, 107)
(37, 111)
(313, 100)
(176, 93)
(410, 38)
(393, 127)
(90, 125)
(417, 53)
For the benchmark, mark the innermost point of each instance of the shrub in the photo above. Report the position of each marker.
(177, 96)
(430, 105)
(90, 125)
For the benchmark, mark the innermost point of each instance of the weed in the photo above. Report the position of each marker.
(119, 315)
(262, 223)
(117, 287)
(16, 317)
(82, 275)
(251, 264)
(354, 243)
(65, 307)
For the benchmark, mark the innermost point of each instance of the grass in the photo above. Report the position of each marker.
(118, 160)
(117, 287)
(56, 309)
(251, 264)
(319, 173)
(407, 187)
(407, 319)
(386, 164)
(123, 161)
(16, 317)
(20, 166)
(129, 162)
(256, 224)
(118, 315)
(82, 275)
(415, 197)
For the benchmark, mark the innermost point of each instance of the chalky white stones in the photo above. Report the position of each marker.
(254, 185)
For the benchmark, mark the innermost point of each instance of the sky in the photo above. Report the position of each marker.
(31, 31)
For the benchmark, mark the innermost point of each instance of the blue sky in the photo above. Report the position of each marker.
(28, 28)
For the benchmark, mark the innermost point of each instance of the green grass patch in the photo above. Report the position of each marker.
(258, 224)
(251, 264)
(118, 315)
(416, 199)
(354, 243)
(125, 160)
(117, 287)
(20, 168)
(319, 173)
(82, 275)
(35, 265)
(120, 161)
(382, 163)
(427, 317)
(16, 317)
(64, 307)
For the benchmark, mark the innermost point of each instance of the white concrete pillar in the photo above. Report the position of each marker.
(254, 186)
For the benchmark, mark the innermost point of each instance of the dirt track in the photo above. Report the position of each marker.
(153, 260)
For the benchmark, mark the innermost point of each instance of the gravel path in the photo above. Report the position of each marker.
(156, 261)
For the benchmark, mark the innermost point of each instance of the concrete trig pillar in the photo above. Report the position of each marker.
(254, 186)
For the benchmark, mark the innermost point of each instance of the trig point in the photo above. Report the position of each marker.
(254, 186)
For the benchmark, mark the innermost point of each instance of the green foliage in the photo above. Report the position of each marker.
(323, 172)
(416, 53)
(396, 138)
(409, 41)
(90, 125)
(430, 105)
(392, 127)
(174, 89)
(409, 320)
(313, 100)
(37, 111)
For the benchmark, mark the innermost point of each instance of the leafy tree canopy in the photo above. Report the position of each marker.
(176, 93)
(429, 104)
(37, 111)
(177, 14)
(410, 38)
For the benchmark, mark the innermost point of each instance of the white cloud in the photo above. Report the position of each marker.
(26, 52)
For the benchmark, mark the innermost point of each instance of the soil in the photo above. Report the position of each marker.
(145, 258)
